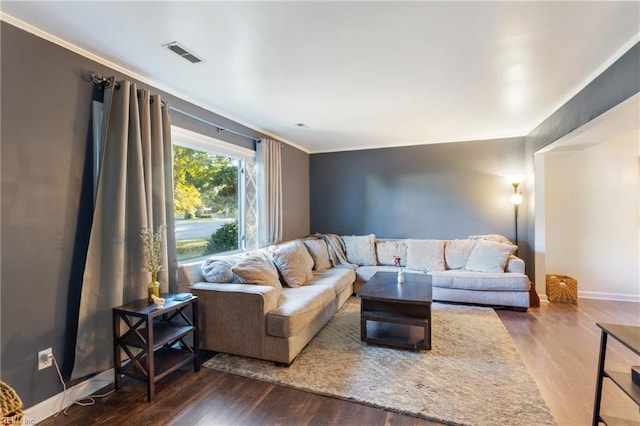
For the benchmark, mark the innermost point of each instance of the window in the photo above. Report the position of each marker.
(214, 195)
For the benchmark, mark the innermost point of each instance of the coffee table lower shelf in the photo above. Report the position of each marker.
(395, 330)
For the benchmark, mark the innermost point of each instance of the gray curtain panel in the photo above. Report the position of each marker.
(269, 159)
(135, 191)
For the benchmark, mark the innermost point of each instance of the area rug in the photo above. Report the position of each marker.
(472, 376)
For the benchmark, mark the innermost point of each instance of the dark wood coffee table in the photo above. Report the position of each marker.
(396, 315)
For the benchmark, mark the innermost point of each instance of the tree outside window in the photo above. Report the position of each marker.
(206, 202)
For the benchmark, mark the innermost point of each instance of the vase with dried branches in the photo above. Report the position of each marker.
(152, 242)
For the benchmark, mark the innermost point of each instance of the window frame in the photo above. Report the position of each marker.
(198, 141)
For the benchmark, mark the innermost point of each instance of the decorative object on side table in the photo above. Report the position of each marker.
(158, 301)
(152, 258)
(396, 262)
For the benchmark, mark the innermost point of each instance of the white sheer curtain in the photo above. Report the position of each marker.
(269, 158)
(134, 191)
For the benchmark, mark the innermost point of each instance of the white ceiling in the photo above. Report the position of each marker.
(358, 74)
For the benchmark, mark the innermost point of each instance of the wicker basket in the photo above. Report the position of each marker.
(562, 289)
(11, 405)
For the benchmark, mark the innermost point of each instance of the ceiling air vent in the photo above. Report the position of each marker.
(176, 48)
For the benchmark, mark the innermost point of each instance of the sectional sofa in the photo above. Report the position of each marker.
(269, 303)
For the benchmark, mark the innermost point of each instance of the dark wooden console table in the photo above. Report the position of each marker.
(155, 340)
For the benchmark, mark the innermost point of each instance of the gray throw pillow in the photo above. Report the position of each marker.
(489, 256)
(257, 269)
(294, 263)
(319, 252)
(361, 250)
(217, 270)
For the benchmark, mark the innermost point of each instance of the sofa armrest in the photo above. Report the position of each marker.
(233, 317)
(264, 296)
(515, 264)
(189, 274)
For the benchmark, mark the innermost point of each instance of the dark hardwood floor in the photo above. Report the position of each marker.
(558, 343)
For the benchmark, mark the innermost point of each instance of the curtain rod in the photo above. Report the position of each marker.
(99, 79)
(219, 128)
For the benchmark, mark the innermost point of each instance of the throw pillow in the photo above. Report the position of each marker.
(425, 255)
(456, 253)
(319, 252)
(257, 269)
(294, 263)
(489, 256)
(385, 250)
(360, 250)
(496, 238)
(217, 270)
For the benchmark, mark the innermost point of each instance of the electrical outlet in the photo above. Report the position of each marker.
(45, 358)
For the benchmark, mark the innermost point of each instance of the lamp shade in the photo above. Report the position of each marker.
(516, 198)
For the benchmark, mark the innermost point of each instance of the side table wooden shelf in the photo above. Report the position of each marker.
(155, 340)
(629, 336)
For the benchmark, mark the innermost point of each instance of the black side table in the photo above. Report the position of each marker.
(154, 340)
(629, 336)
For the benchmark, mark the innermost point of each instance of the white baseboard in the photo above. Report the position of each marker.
(51, 406)
(621, 297)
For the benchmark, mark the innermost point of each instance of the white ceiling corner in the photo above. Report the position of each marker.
(358, 74)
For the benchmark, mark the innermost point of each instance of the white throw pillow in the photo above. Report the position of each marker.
(218, 270)
(257, 269)
(360, 250)
(319, 251)
(489, 256)
(294, 263)
(425, 255)
(386, 250)
(456, 253)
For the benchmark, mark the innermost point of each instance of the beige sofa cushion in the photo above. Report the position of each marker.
(386, 249)
(297, 308)
(456, 253)
(481, 281)
(425, 255)
(257, 269)
(365, 273)
(360, 250)
(339, 279)
(488, 256)
(319, 252)
(294, 262)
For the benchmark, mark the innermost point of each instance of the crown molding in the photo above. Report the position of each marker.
(132, 74)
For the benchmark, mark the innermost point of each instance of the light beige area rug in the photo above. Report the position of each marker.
(472, 376)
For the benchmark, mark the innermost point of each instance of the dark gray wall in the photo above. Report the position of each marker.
(616, 84)
(45, 124)
(427, 191)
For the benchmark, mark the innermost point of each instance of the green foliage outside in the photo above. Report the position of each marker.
(204, 180)
(190, 249)
(224, 239)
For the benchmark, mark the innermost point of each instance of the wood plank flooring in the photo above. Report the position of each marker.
(558, 343)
